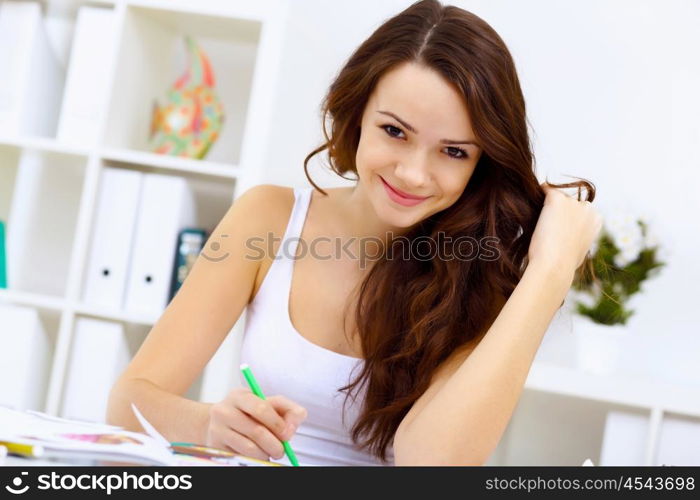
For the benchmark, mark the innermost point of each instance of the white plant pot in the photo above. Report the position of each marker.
(598, 347)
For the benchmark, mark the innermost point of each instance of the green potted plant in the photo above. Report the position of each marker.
(624, 256)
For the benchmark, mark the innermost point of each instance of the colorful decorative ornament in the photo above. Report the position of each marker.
(191, 120)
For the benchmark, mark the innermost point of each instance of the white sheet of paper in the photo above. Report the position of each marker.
(150, 430)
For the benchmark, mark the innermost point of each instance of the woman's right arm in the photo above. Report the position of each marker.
(194, 325)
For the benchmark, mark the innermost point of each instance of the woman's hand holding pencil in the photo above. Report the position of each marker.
(254, 426)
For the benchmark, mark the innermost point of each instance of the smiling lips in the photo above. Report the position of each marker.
(405, 199)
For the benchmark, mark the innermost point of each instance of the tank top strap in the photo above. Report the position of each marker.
(274, 290)
(290, 242)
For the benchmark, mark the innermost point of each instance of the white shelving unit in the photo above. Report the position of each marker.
(243, 41)
(561, 417)
(551, 390)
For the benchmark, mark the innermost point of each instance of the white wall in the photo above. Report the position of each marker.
(613, 95)
(320, 36)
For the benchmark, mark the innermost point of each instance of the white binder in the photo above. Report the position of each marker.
(87, 79)
(25, 358)
(166, 207)
(112, 237)
(32, 77)
(625, 439)
(99, 355)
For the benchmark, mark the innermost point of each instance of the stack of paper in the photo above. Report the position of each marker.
(85, 443)
(70, 439)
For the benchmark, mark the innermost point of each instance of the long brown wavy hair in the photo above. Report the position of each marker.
(413, 314)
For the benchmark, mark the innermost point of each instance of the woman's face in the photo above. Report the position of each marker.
(416, 136)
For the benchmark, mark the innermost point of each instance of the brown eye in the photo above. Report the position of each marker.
(391, 130)
(457, 153)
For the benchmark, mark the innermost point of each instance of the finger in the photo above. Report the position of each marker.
(551, 191)
(240, 444)
(263, 411)
(259, 434)
(293, 413)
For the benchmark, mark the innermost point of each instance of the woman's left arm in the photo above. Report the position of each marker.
(463, 414)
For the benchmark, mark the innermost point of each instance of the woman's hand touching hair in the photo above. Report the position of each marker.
(251, 426)
(565, 231)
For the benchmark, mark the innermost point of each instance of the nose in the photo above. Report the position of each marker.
(414, 171)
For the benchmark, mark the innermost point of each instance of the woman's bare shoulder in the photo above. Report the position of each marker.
(269, 204)
(269, 193)
(256, 217)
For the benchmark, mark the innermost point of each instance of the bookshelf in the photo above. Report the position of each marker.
(243, 41)
(561, 417)
(630, 415)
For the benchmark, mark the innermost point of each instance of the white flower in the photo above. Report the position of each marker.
(651, 240)
(629, 252)
(627, 236)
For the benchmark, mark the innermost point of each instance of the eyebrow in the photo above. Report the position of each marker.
(412, 129)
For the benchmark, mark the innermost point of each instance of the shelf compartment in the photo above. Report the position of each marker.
(551, 429)
(94, 365)
(99, 353)
(31, 335)
(210, 200)
(41, 212)
(678, 442)
(152, 56)
(42, 77)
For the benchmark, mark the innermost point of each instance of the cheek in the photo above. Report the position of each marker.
(373, 153)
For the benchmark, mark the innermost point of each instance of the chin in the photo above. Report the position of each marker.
(398, 217)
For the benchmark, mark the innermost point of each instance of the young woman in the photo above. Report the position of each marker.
(413, 343)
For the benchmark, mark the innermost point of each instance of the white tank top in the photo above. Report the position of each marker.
(286, 363)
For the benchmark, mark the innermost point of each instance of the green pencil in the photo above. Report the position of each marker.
(253, 384)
